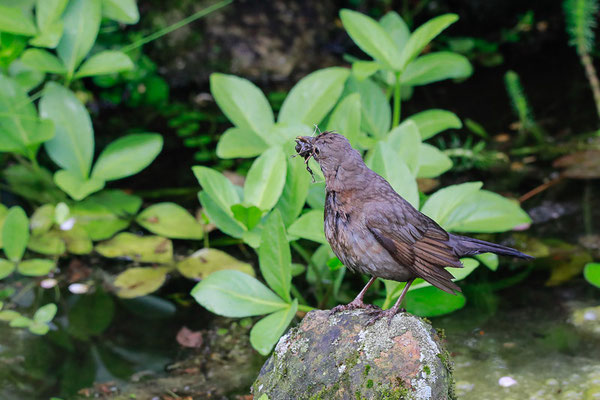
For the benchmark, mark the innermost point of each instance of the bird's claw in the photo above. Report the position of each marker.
(389, 314)
(354, 305)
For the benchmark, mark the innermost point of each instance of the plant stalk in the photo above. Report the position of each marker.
(592, 76)
(397, 87)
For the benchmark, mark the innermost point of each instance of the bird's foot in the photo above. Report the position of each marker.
(354, 305)
(389, 314)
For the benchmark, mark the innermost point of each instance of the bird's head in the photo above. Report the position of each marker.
(331, 150)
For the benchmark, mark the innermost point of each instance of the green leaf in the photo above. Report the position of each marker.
(37, 185)
(150, 249)
(28, 78)
(15, 233)
(36, 267)
(265, 179)
(3, 212)
(235, 294)
(371, 38)
(6, 268)
(45, 313)
(127, 156)
(469, 265)
(81, 25)
(266, 332)
(42, 219)
(240, 143)
(15, 20)
(9, 315)
(22, 130)
(441, 204)
(249, 216)
(432, 302)
(364, 69)
(105, 62)
(376, 114)
(436, 67)
(48, 11)
(490, 260)
(395, 26)
(136, 282)
(124, 11)
(313, 96)
(432, 122)
(77, 240)
(20, 322)
(486, 211)
(591, 273)
(43, 61)
(432, 162)
(243, 103)
(91, 314)
(345, 119)
(50, 36)
(386, 163)
(309, 226)
(72, 146)
(207, 261)
(76, 186)
(170, 220)
(422, 36)
(218, 187)
(293, 197)
(221, 217)
(48, 243)
(106, 213)
(38, 328)
(405, 140)
(274, 256)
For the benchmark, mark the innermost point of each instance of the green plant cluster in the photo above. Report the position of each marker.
(269, 212)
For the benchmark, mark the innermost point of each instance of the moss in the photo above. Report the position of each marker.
(370, 383)
(367, 369)
(426, 369)
(441, 333)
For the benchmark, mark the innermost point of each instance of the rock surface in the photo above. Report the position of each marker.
(341, 357)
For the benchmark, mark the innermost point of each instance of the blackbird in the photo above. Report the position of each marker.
(374, 231)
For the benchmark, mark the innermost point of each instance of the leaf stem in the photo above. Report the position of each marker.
(306, 257)
(397, 86)
(302, 307)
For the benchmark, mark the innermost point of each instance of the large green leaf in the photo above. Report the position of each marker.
(170, 220)
(150, 249)
(72, 146)
(371, 38)
(432, 162)
(81, 25)
(265, 179)
(50, 36)
(6, 268)
(218, 187)
(21, 129)
(42, 60)
(431, 302)
(395, 26)
(15, 233)
(435, 67)
(124, 11)
(274, 256)
(136, 282)
(376, 114)
(345, 119)
(442, 203)
(295, 190)
(266, 332)
(313, 96)
(240, 142)
(207, 261)
(48, 11)
(432, 122)
(45, 313)
(36, 267)
(76, 186)
(405, 140)
(25, 76)
(235, 294)
(222, 218)
(486, 211)
(15, 20)
(244, 104)
(309, 226)
(48, 243)
(386, 163)
(422, 36)
(127, 156)
(591, 273)
(105, 62)
(364, 69)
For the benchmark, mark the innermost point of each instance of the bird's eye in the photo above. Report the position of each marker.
(317, 151)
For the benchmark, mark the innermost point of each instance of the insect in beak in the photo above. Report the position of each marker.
(304, 148)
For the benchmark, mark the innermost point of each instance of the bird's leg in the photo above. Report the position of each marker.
(358, 301)
(389, 313)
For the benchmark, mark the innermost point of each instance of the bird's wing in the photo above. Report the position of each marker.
(416, 242)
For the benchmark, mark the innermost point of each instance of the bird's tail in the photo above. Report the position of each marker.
(466, 246)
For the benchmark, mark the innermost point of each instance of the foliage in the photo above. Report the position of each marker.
(581, 21)
(591, 273)
(521, 107)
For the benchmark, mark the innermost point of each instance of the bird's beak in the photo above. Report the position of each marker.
(304, 146)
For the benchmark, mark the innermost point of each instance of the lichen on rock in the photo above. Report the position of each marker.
(340, 356)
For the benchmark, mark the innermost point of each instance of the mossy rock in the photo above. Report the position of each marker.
(342, 357)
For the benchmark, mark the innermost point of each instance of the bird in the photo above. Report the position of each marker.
(374, 231)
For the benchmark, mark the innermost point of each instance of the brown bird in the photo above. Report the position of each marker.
(374, 231)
